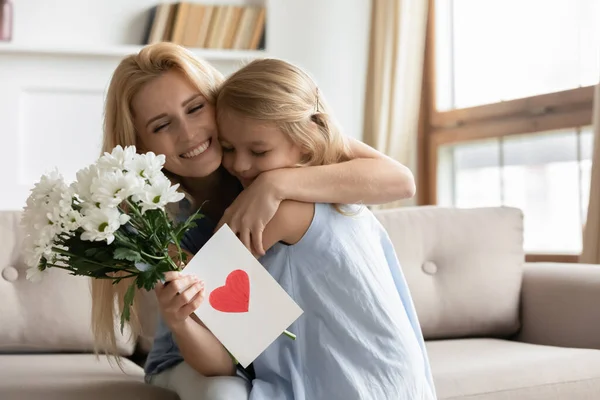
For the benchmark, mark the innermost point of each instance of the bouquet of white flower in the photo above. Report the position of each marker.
(110, 223)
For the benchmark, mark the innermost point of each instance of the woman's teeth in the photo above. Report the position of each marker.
(197, 151)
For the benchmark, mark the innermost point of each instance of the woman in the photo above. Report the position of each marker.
(162, 100)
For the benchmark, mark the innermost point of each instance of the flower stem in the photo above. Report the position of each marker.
(123, 239)
(139, 215)
(153, 257)
(68, 253)
(173, 264)
(145, 222)
(96, 277)
(59, 266)
(119, 277)
(177, 245)
(289, 334)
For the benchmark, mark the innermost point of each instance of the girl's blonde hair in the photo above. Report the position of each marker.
(278, 92)
(130, 76)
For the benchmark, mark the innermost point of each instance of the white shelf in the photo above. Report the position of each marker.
(121, 51)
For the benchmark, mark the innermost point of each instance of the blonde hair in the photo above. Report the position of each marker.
(129, 77)
(276, 91)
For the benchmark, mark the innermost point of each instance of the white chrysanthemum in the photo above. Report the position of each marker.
(117, 159)
(112, 188)
(48, 211)
(148, 165)
(72, 220)
(83, 185)
(65, 203)
(47, 188)
(101, 223)
(44, 204)
(158, 194)
(44, 216)
(32, 255)
(38, 243)
(34, 217)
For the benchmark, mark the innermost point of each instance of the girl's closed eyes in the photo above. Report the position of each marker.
(256, 153)
(260, 153)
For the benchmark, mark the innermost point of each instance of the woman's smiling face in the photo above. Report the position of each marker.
(172, 117)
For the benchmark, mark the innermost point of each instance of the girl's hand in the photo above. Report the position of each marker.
(252, 210)
(180, 298)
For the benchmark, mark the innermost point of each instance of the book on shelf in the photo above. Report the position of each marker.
(208, 26)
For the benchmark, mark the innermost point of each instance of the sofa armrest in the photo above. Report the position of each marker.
(560, 305)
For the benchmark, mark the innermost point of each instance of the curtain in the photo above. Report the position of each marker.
(591, 235)
(394, 80)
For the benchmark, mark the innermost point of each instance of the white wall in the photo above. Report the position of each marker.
(51, 105)
(329, 38)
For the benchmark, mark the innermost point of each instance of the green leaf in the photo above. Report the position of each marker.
(123, 253)
(194, 217)
(128, 302)
(182, 228)
(96, 251)
(92, 270)
(148, 279)
(91, 252)
(81, 266)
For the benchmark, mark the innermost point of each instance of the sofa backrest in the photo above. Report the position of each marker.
(53, 315)
(463, 267)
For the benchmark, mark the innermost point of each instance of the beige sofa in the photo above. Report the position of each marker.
(496, 328)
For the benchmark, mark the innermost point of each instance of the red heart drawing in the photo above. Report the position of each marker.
(234, 297)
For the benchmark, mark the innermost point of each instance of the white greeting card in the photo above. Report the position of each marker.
(244, 307)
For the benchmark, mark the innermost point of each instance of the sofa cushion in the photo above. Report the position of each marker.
(492, 369)
(463, 266)
(73, 376)
(52, 315)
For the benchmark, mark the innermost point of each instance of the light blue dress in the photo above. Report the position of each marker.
(359, 336)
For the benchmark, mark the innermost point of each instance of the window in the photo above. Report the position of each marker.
(510, 95)
(547, 175)
(489, 51)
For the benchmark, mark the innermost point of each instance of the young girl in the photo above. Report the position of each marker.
(359, 336)
(162, 100)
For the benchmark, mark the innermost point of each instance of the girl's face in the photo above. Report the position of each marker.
(172, 118)
(251, 147)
